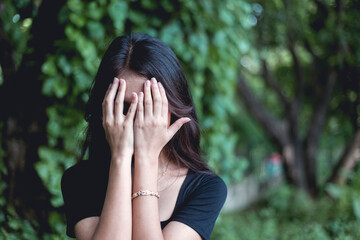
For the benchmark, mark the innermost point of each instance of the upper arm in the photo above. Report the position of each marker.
(85, 228)
(180, 231)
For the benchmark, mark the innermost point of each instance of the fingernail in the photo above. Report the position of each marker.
(147, 83)
(153, 80)
(116, 80)
(122, 81)
(134, 96)
(160, 85)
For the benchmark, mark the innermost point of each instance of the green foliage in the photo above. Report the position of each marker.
(197, 39)
(12, 226)
(318, 31)
(16, 27)
(17, 228)
(62, 151)
(211, 39)
(196, 31)
(286, 213)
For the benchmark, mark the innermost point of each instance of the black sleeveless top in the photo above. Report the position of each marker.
(199, 202)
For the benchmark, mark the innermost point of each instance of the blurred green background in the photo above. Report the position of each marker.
(266, 76)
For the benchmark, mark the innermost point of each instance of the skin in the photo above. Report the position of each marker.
(133, 134)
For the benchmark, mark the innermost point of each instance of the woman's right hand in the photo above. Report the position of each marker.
(118, 127)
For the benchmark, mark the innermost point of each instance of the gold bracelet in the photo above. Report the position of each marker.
(145, 193)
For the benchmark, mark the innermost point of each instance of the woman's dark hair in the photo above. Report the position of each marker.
(149, 57)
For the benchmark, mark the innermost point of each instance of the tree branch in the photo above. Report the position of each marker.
(315, 128)
(298, 76)
(343, 45)
(271, 81)
(348, 160)
(273, 126)
(319, 113)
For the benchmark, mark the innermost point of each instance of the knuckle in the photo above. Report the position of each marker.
(147, 123)
(138, 125)
(117, 122)
(108, 124)
(154, 122)
(117, 101)
(126, 124)
(106, 101)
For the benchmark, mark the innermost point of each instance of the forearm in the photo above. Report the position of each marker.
(146, 220)
(115, 220)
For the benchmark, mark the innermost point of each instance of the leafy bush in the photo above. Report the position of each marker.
(286, 213)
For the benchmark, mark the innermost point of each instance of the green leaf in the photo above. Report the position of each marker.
(60, 87)
(49, 67)
(356, 207)
(64, 65)
(118, 11)
(148, 4)
(334, 190)
(96, 30)
(94, 11)
(76, 6)
(78, 20)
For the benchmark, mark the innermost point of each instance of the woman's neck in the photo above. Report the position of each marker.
(164, 163)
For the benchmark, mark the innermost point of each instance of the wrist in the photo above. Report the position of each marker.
(120, 158)
(121, 167)
(145, 176)
(144, 158)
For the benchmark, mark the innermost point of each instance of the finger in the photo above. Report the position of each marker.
(109, 99)
(103, 106)
(140, 108)
(164, 109)
(108, 89)
(176, 126)
(148, 106)
(119, 101)
(132, 109)
(156, 97)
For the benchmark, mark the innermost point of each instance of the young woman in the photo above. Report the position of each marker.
(144, 178)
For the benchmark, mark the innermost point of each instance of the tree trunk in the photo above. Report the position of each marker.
(280, 131)
(294, 166)
(299, 155)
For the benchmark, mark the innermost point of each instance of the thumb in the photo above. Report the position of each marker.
(176, 126)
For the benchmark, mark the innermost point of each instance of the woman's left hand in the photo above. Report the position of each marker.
(151, 128)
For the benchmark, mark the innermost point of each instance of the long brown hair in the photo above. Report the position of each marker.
(149, 57)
